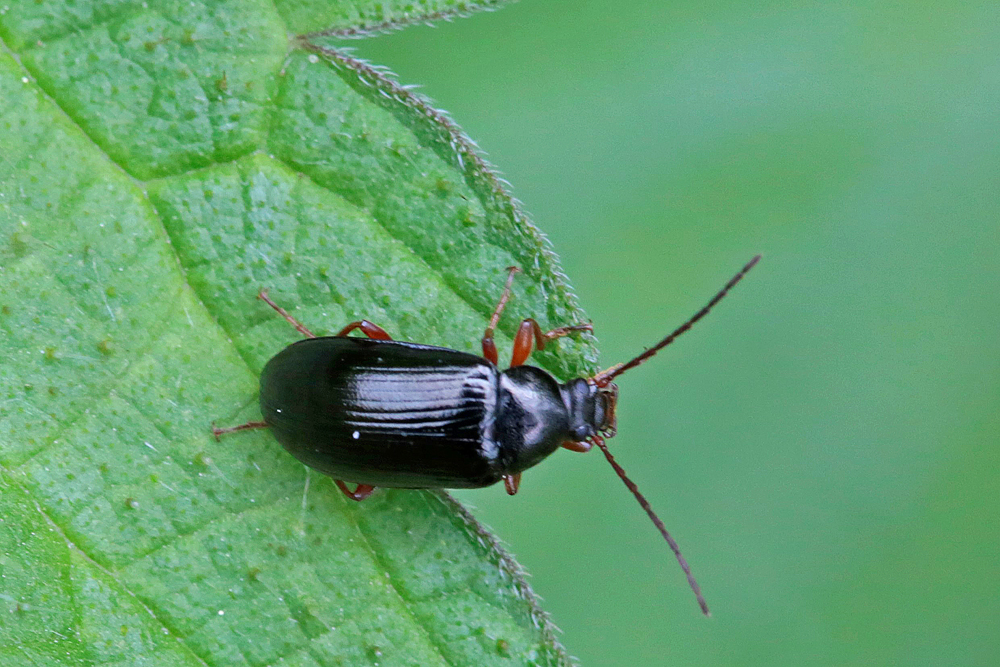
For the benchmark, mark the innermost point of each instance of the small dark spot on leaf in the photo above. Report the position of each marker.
(18, 245)
(131, 503)
(503, 647)
(253, 573)
(50, 354)
(104, 347)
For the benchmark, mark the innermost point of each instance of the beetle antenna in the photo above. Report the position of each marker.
(599, 441)
(602, 379)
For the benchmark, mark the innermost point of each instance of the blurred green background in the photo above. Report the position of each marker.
(825, 445)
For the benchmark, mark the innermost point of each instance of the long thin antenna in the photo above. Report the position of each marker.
(602, 379)
(599, 441)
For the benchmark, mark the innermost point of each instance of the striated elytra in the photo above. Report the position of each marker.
(393, 414)
(385, 413)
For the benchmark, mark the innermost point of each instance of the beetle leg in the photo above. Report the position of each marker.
(581, 446)
(603, 379)
(367, 328)
(512, 483)
(216, 431)
(262, 295)
(529, 330)
(489, 347)
(360, 492)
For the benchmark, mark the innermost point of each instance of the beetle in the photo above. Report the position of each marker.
(384, 413)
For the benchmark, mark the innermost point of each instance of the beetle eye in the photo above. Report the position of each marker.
(600, 411)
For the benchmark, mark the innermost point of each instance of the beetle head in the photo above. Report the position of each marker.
(590, 408)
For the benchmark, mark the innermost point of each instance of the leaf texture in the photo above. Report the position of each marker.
(161, 163)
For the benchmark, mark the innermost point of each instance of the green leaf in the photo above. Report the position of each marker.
(162, 162)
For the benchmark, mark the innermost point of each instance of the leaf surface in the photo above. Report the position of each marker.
(161, 163)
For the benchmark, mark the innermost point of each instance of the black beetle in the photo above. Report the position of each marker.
(379, 412)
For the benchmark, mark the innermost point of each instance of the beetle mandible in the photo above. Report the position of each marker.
(379, 412)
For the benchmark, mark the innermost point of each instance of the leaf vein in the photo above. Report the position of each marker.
(377, 558)
(70, 545)
(97, 398)
(481, 176)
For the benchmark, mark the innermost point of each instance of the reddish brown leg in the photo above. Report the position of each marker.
(583, 446)
(529, 330)
(512, 483)
(216, 431)
(284, 313)
(603, 379)
(367, 328)
(489, 347)
(360, 492)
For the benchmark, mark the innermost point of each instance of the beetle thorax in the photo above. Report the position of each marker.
(535, 415)
(585, 408)
(531, 419)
